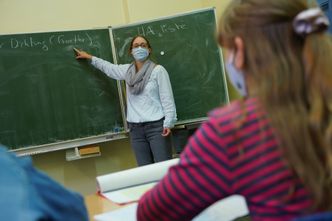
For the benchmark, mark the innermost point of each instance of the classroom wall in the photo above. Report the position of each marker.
(80, 175)
(21, 16)
(147, 9)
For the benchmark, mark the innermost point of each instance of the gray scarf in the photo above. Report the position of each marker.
(137, 81)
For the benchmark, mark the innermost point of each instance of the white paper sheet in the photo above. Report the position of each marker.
(224, 210)
(133, 177)
(127, 213)
(227, 209)
(128, 194)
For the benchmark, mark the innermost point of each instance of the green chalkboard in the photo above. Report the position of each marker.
(47, 96)
(186, 46)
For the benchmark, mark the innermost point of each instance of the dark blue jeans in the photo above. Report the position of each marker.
(181, 137)
(148, 143)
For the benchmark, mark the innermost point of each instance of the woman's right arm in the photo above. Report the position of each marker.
(114, 71)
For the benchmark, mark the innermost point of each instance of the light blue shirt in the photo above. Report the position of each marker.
(29, 195)
(153, 103)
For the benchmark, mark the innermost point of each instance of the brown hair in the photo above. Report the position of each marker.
(139, 36)
(292, 77)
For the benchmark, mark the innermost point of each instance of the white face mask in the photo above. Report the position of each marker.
(140, 54)
(236, 76)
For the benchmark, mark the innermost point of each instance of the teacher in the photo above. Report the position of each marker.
(151, 109)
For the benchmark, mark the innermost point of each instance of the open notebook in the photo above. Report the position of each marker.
(224, 210)
(129, 185)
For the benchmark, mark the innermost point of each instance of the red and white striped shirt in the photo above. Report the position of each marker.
(235, 152)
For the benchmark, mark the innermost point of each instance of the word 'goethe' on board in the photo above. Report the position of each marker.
(45, 44)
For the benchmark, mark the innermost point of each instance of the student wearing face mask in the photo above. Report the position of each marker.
(274, 147)
(151, 109)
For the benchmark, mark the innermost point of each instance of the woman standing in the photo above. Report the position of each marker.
(151, 109)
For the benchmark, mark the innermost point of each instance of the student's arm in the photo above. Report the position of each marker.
(52, 200)
(202, 177)
(29, 195)
(166, 97)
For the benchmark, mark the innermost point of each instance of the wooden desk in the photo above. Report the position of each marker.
(97, 204)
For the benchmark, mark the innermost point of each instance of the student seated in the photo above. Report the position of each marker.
(29, 195)
(274, 147)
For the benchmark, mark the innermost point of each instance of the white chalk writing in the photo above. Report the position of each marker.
(27, 43)
(65, 40)
(161, 29)
(46, 44)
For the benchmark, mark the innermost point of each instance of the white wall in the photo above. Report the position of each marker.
(147, 9)
(18, 16)
(21, 16)
(80, 174)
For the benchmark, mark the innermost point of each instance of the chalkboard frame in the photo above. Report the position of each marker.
(72, 143)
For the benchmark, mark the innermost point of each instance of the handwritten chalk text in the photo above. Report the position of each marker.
(161, 29)
(49, 42)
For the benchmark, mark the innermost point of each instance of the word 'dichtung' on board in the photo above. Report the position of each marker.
(45, 44)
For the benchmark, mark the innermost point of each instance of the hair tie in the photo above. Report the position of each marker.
(310, 21)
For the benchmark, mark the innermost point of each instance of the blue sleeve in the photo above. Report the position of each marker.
(166, 97)
(28, 194)
(117, 72)
(58, 203)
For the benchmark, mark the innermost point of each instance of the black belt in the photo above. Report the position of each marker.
(145, 123)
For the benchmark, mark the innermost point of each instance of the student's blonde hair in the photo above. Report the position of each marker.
(293, 81)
